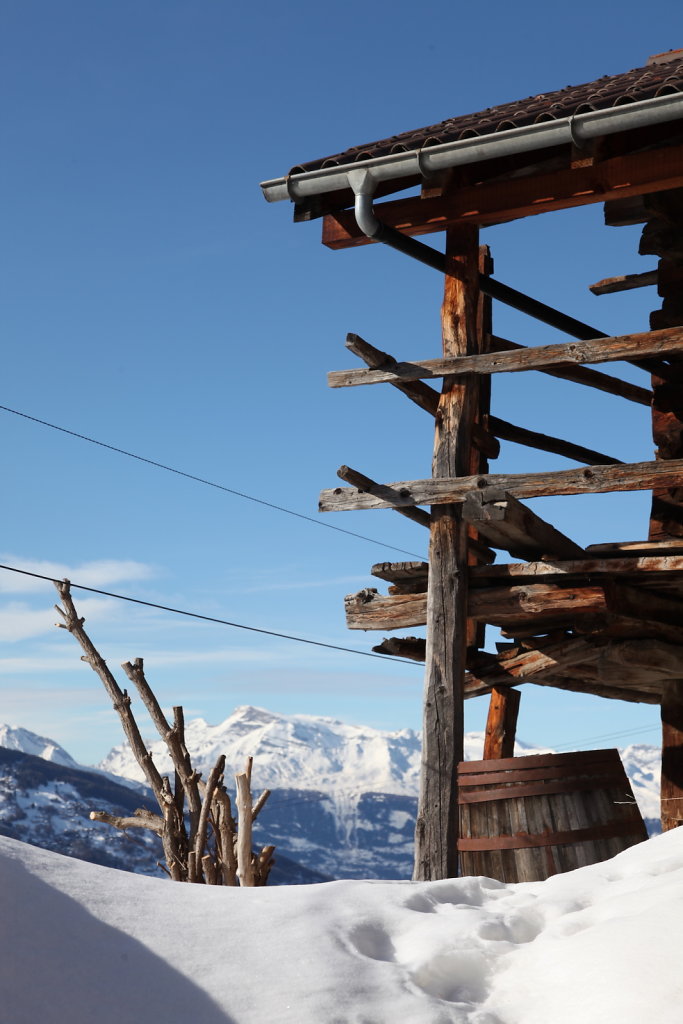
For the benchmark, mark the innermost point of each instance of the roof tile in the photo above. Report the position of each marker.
(655, 79)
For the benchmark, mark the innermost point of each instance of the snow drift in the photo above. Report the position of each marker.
(83, 943)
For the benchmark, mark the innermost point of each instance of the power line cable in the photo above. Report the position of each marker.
(210, 618)
(607, 736)
(207, 483)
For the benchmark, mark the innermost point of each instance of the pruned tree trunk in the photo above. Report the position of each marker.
(200, 838)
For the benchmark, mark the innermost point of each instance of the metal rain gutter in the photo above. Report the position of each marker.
(425, 162)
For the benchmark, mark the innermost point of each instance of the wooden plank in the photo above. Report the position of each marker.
(638, 548)
(501, 723)
(585, 376)
(446, 653)
(623, 283)
(546, 443)
(399, 572)
(642, 568)
(499, 201)
(367, 609)
(636, 476)
(672, 755)
(541, 357)
(508, 524)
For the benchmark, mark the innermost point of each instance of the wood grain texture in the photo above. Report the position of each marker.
(672, 755)
(637, 476)
(508, 524)
(446, 651)
(540, 357)
(501, 723)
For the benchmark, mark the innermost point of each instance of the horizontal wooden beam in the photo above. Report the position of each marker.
(637, 476)
(648, 569)
(585, 375)
(401, 572)
(541, 357)
(509, 525)
(637, 548)
(495, 605)
(624, 283)
(499, 201)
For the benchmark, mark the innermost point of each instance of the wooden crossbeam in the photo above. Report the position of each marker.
(623, 283)
(534, 602)
(637, 548)
(499, 201)
(508, 524)
(485, 441)
(585, 376)
(646, 568)
(401, 572)
(599, 350)
(636, 476)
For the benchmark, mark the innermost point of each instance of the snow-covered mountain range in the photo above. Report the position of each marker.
(344, 797)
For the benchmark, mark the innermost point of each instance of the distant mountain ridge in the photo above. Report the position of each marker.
(344, 797)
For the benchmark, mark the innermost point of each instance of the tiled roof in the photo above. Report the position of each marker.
(663, 74)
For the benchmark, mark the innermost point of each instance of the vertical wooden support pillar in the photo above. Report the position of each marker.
(501, 723)
(672, 756)
(443, 724)
(663, 236)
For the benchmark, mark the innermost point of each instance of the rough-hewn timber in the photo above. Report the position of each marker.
(501, 723)
(443, 722)
(637, 476)
(541, 357)
(672, 755)
(509, 525)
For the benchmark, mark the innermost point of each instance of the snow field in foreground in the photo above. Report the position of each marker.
(601, 945)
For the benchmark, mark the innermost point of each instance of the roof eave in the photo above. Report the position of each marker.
(429, 160)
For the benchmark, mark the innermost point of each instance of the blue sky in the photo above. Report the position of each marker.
(154, 301)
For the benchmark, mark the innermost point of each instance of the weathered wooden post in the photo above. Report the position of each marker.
(443, 724)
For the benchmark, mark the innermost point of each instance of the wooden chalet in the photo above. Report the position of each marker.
(606, 619)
